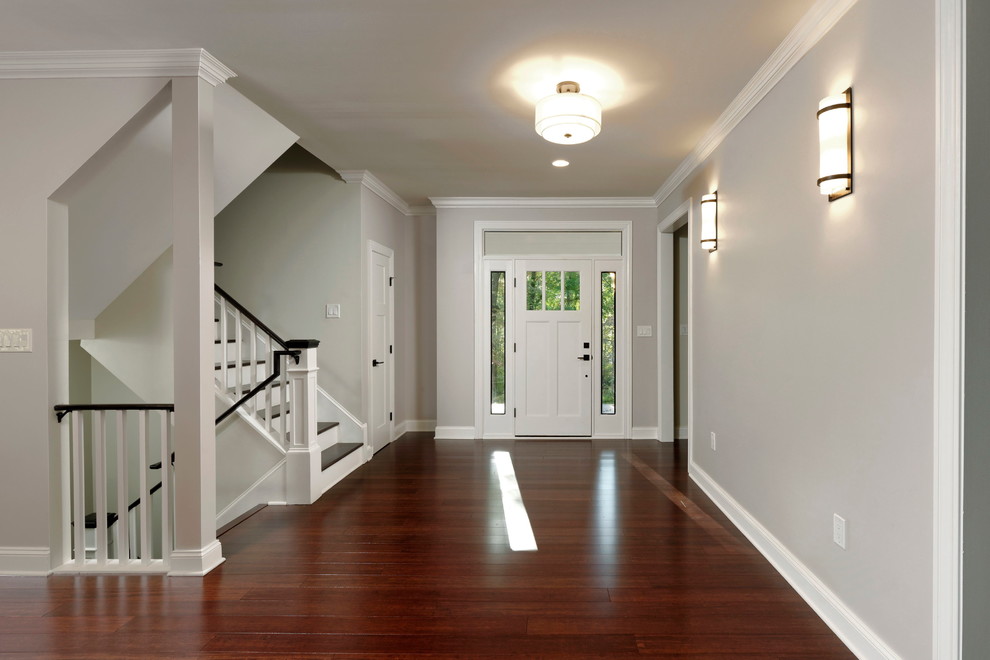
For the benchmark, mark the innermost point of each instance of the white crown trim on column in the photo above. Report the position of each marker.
(375, 185)
(823, 15)
(543, 202)
(162, 63)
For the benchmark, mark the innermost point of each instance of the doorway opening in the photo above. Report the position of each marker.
(674, 241)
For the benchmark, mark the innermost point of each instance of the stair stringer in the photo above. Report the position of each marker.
(251, 465)
(351, 429)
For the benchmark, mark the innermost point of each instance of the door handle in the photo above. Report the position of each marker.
(584, 357)
(375, 363)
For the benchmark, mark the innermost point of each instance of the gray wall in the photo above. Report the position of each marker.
(976, 423)
(813, 355)
(455, 304)
(291, 244)
(43, 146)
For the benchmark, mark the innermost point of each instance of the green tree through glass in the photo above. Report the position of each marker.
(498, 342)
(608, 343)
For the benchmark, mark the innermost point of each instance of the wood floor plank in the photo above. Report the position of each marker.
(409, 557)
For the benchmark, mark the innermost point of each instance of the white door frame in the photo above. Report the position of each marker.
(682, 215)
(624, 354)
(373, 247)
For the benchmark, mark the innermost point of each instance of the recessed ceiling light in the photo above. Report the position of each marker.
(560, 163)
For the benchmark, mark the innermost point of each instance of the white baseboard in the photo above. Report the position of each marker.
(860, 639)
(195, 563)
(415, 426)
(454, 433)
(25, 561)
(644, 433)
(681, 433)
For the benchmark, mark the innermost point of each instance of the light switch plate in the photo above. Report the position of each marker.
(333, 311)
(644, 330)
(15, 341)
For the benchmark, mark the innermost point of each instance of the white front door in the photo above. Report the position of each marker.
(553, 303)
(380, 313)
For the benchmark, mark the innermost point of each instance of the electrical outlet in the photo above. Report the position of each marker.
(644, 330)
(333, 311)
(713, 441)
(839, 530)
(15, 341)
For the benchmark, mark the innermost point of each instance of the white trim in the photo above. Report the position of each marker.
(853, 632)
(949, 329)
(644, 433)
(822, 16)
(361, 426)
(454, 433)
(681, 433)
(161, 63)
(221, 521)
(195, 563)
(375, 185)
(25, 561)
(420, 425)
(543, 202)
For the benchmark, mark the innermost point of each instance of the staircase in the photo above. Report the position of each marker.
(270, 384)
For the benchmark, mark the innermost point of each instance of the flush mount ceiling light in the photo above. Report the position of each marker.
(568, 117)
(560, 163)
(835, 177)
(709, 222)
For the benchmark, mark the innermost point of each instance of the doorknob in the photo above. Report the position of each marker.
(375, 363)
(584, 357)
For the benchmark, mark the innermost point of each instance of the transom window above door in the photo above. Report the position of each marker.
(553, 290)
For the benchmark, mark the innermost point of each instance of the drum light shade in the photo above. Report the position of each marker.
(568, 117)
(835, 141)
(709, 222)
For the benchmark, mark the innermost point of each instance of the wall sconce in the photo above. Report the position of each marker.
(709, 222)
(835, 140)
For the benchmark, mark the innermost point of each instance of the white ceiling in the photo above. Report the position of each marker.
(435, 97)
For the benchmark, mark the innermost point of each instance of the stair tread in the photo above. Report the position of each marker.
(90, 521)
(276, 411)
(335, 453)
(248, 388)
(325, 426)
(229, 341)
(233, 365)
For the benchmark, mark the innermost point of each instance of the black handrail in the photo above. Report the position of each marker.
(276, 372)
(254, 319)
(63, 410)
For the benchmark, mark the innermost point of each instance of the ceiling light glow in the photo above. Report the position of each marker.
(560, 163)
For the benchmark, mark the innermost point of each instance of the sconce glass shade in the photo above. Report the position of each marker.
(709, 222)
(835, 141)
(568, 117)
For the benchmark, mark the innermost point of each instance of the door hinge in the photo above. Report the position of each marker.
(514, 283)
(390, 417)
(513, 412)
(513, 347)
(390, 280)
(390, 349)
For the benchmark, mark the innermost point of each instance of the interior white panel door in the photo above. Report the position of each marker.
(380, 310)
(553, 304)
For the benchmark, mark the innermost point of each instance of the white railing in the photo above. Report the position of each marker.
(117, 513)
(252, 366)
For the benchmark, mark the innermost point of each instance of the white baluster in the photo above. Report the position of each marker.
(123, 523)
(65, 448)
(284, 399)
(238, 355)
(254, 372)
(166, 489)
(100, 484)
(223, 346)
(79, 487)
(144, 509)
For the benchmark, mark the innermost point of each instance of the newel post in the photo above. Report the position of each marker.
(303, 459)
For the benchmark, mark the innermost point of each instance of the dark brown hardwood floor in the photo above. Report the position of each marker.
(409, 558)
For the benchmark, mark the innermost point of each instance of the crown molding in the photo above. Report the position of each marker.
(170, 63)
(424, 209)
(543, 202)
(821, 18)
(375, 185)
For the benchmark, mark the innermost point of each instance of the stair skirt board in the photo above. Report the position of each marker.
(269, 489)
(335, 473)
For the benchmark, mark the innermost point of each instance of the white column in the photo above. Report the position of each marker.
(197, 550)
(303, 463)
